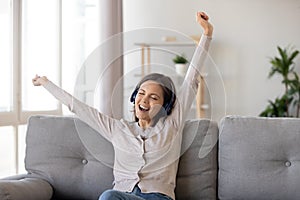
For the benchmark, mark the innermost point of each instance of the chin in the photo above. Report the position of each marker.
(142, 117)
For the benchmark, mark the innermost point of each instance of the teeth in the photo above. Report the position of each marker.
(144, 108)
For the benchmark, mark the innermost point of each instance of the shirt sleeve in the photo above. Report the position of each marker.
(98, 121)
(189, 87)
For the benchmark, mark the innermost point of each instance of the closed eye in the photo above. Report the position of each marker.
(154, 98)
(141, 93)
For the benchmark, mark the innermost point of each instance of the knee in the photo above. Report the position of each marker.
(108, 195)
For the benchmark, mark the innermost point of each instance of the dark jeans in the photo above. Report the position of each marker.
(136, 194)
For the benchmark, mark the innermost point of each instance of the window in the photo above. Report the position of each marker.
(48, 37)
(80, 36)
(40, 51)
(5, 55)
(7, 151)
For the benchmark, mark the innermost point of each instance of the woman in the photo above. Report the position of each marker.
(147, 150)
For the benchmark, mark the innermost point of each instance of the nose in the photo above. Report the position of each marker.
(145, 99)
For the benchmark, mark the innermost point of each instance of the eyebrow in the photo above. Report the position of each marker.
(150, 94)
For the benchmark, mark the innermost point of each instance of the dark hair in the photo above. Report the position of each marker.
(169, 93)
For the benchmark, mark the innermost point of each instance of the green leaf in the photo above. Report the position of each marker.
(180, 59)
(294, 54)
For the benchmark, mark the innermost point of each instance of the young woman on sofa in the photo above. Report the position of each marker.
(147, 150)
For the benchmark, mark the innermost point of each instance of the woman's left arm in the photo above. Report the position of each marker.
(190, 84)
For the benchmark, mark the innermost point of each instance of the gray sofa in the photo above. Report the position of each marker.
(239, 158)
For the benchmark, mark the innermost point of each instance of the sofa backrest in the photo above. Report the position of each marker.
(56, 152)
(259, 158)
(197, 172)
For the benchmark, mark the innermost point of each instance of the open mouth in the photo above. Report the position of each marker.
(143, 108)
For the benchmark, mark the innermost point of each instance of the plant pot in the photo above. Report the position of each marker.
(181, 69)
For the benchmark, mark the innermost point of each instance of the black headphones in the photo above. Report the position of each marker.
(168, 106)
(133, 95)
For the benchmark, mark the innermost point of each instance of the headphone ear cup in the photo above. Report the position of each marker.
(169, 106)
(133, 96)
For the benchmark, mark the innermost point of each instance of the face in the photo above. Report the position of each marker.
(148, 101)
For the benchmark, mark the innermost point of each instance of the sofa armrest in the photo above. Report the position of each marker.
(27, 188)
(15, 177)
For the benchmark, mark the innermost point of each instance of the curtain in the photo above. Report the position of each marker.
(110, 89)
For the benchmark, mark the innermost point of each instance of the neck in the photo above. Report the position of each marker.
(144, 123)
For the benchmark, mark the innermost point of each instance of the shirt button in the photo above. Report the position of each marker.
(288, 163)
(84, 161)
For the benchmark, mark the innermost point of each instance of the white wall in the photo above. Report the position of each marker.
(246, 36)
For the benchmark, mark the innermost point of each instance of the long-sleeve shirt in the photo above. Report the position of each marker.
(144, 157)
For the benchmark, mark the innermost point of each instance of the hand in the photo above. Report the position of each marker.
(202, 19)
(38, 81)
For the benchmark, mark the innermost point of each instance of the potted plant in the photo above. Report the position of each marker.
(288, 105)
(180, 64)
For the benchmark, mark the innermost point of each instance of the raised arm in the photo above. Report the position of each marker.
(188, 90)
(100, 122)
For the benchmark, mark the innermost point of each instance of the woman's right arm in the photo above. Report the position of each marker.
(100, 122)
